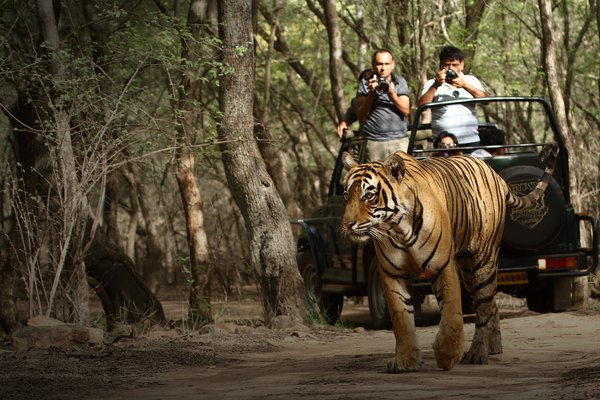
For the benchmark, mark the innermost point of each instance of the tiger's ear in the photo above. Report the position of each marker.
(348, 160)
(394, 165)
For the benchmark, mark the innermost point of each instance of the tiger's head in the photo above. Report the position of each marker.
(370, 201)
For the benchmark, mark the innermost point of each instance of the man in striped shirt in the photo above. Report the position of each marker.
(450, 83)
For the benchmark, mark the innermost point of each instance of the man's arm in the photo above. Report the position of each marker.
(365, 96)
(349, 119)
(474, 90)
(471, 85)
(364, 105)
(402, 102)
(427, 97)
(399, 95)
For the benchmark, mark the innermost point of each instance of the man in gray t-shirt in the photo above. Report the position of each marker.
(382, 105)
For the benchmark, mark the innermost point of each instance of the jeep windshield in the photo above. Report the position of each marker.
(526, 123)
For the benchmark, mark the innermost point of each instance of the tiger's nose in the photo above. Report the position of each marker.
(348, 225)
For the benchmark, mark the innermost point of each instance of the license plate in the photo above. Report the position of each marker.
(512, 278)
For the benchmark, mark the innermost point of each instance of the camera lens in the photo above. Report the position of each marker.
(383, 85)
(451, 75)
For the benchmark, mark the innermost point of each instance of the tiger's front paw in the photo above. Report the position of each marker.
(396, 366)
(448, 348)
(447, 358)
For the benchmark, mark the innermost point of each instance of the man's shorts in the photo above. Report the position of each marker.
(380, 150)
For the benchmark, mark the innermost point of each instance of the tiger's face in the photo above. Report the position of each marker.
(370, 203)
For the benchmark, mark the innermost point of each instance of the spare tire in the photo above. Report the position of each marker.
(535, 227)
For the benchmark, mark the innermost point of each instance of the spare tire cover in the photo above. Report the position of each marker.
(534, 227)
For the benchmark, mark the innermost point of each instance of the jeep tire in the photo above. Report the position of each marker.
(380, 316)
(327, 305)
(550, 295)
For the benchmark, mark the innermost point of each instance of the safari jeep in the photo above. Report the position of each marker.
(541, 251)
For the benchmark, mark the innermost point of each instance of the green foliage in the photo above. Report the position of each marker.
(316, 316)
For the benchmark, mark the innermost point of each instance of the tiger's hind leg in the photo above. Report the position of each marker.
(495, 340)
(487, 338)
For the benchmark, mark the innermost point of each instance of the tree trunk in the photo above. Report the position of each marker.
(200, 263)
(200, 260)
(110, 215)
(8, 275)
(73, 203)
(295, 63)
(421, 47)
(277, 169)
(99, 36)
(597, 7)
(272, 254)
(596, 289)
(474, 11)
(580, 294)
(272, 156)
(8, 284)
(154, 258)
(401, 15)
(335, 58)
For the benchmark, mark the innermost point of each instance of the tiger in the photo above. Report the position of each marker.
(443, 217)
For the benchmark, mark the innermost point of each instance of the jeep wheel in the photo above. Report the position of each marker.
(380, 316)
(550, 295)
(320, 304)
(535, 227)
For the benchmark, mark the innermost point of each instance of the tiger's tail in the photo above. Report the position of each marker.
(548, 154)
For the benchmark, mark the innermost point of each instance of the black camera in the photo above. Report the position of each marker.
(383, 86)
(451, 75)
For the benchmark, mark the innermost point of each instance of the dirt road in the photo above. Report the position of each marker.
(551, 356)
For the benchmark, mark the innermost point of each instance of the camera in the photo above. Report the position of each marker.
(383, 86)
(451, 75)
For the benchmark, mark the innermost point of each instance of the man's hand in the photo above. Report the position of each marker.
(372, 83)
(459, 81)
(392, 87)
(341, 128)
(440, 77)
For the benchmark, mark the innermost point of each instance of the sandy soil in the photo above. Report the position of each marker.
(551, 356)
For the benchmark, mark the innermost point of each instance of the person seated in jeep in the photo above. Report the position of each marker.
(490, 136)
(448, 145)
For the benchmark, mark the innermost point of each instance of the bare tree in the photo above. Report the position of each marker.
(557, 99)
(554, 87)
(74, 205)
(200, 260)
(597, 8)
(154, 256)
(270, 236)
(335, 57)
(60, 164)
(274, 159)
(474, 14)
(293, 60)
